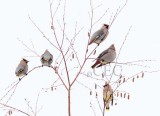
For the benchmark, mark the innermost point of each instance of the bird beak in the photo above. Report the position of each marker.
(104, 85)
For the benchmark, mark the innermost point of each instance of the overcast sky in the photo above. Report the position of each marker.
(142, 44)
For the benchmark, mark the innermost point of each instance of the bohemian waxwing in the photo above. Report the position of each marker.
(106, 57)
(22, 68)
(107, 95)
(46, 58)
(100, 35)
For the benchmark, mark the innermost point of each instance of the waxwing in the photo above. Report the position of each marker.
(100, 35)
(106, 57)
(107, 95)
(22, 68)
(46, 58)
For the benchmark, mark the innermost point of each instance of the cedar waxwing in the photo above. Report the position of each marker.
(22, 68)
(107, 56)
(107, 95)
(47, 58)
(100, 35)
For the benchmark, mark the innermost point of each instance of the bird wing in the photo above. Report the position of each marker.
(19, 70)
(51, 58)
(102, 54)
(97, 35)
(112, 100)
(42, 58)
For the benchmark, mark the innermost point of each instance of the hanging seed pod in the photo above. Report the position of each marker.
(133, 80)
(115, 104)
(9, 112)
(95, 86)
(73, 56)
(94, 52)
(51, 88)
(96, 94)
(121, 94)
(124, 95)
(102, 75)
(88, 34)
(124, 80)
(142, 74)
(117, 94)
(128, 97)
(90, 93)
(120, 81)
(137, 76)
(120, 76)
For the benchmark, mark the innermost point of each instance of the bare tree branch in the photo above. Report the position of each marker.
(5, 105)
(33, 51)
(43, 33)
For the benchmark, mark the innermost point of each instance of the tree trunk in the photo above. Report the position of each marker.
(69, 102)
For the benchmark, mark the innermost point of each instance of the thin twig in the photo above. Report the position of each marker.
(92, 108)
(12, 94)
(83, 85)
(43, 33)
(120, 51)
(71, 43)
(36, 107)
(118, 12)
(16, 84)
(64, 24)
(99, 105)
(83, 65)
(97, 79)
(29, 107)
(11, 85)
(5, 105)
(100, 17)
(60, 78)
(33, 51)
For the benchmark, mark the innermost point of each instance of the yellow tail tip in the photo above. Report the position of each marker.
(107, 110)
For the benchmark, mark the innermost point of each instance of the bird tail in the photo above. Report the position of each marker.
(95, 64)
(99, 65)
(107, 108)
(45, 64)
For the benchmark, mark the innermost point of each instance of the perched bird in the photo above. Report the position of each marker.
(106, 57)
(100, 35)
(22, 68)
(107, 95)
(46, 58)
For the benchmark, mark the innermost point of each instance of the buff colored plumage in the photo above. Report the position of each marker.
(22, 68)
(46, 58)
(107, 95)
(107, 56)
(100, 35)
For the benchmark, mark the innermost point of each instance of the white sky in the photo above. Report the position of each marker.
(142, 43)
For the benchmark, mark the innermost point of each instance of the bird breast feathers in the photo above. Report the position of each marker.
(107, 96)
(47, 57)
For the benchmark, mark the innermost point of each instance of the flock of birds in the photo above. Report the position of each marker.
(106, 57)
